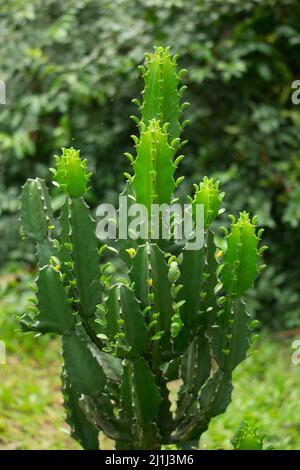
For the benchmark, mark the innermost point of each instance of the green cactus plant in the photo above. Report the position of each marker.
(177, 315)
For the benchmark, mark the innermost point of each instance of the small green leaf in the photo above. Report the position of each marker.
(157, 336)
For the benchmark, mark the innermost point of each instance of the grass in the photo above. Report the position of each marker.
(266, 389)
(31, 409)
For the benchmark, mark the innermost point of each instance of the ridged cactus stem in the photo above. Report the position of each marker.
(174, 314)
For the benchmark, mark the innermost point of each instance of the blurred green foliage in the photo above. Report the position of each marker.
(70, 69)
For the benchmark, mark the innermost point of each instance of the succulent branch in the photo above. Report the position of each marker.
(178, 314)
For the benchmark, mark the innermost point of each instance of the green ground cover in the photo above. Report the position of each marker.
(266, 388)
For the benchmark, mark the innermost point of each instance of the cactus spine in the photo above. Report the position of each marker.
(178, 314)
